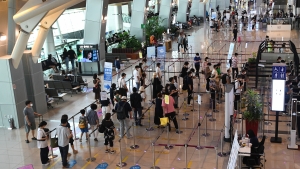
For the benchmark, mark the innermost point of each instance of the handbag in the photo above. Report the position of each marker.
(164, 121)
(54, 142)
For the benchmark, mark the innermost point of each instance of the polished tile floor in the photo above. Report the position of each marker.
(14, 152)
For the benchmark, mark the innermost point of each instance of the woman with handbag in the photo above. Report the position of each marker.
(42, 143)
(159, 113)
(169, 111)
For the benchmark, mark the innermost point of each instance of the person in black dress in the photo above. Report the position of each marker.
(157, 87)
(158, 110)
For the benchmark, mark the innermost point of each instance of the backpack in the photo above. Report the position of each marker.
(121, 113)
(185, 83)
(101, 128)
(224, 79)
(82, 122)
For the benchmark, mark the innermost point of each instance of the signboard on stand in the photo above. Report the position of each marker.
(150, 54)
(278, 86)
(231, 49)
(234, 152)
(161, 56)
(107, 76)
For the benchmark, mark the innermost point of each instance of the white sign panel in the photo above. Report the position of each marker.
(278, 91)
(233, 153)
(103, 95)
(199, 99)
(231, 49)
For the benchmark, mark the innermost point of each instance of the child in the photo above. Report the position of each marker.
(109, 133)
(143, 95)
(105, 106)
(83, 125)
(71, 141)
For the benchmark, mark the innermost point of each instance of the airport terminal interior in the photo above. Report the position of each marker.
(217, 120)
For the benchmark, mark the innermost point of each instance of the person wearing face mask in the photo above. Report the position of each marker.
(122, 85)
(29, 120)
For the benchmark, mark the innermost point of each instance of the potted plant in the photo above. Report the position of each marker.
(154, 27)
(253, 113)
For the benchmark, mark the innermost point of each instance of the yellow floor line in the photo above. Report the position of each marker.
(156, 161)
(53, 164)
(190, 164)
(124, 160)
(88, 163)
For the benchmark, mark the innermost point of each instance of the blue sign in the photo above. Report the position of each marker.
(279, 72)
(135, 167)
(102, 166)
(161, 56)
(107, 79)
(150, 54)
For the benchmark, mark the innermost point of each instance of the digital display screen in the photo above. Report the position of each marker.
(87, 53)
(278, 94)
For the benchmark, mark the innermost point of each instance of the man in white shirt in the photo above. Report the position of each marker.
(63, 134)
(122, 84)
(238, 85)
(158, 71)
(136, 76)
(234, 66)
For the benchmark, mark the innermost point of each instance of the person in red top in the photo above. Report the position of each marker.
(169, 111)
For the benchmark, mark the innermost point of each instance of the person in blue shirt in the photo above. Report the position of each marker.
(197, 61)
(118, 67)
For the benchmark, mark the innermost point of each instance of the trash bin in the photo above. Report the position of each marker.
(11, 124)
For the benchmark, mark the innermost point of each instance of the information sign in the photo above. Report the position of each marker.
(107, 76)
(161, 56)
(278, 86)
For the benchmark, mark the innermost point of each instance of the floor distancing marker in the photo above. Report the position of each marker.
(53, 164)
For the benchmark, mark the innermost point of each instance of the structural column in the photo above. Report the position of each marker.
(165, 12)
(138, 18)
(198, 9)
(11, 37)
(182, 10)
(114, 18)
(49, 46)
(119, 17)
(95, 25)
(157, 5)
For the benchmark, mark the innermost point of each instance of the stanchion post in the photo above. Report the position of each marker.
(134, 146)
(216, 148)
(185, 155)
(75, 138)
(90, 152)
(205, 134)
(212, 115)
(153, 151)
(52, 156)
(168, 146)
(121, 164)
(222, 154)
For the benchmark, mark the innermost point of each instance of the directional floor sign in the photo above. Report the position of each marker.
(102, 166)
(279, 72)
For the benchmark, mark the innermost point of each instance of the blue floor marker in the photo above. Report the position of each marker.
(135, 167)
(72, 163)
(102, 166)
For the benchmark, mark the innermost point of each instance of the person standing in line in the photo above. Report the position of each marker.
(159, 113)
(71, 141)
(135, 102)
(93, 120)
(197, 61)
(234, 34)
(118, 67)
(109, 133)
(190, 88)
(207, 74)
(83, 125)
(238, 84)
(213, 90)
(97, 89)
(29, 120)
(180, 41)
(156, 84)
(66, 58)
(158, 71)
(169, 111)
(72, 56)
(184, 69)
(174, 91)
(122, 85)
(112, 91)
(105, 107)
(185, 43)
(42, 143)
(63, 136)
(124, 114)
(136, 76)
(234, 66)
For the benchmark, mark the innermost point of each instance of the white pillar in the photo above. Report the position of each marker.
(95, 24)
(198, 9)
(165, 12)
(49, 45)
(229, 101)
(182, 10)
(11, 35)
(138, 18)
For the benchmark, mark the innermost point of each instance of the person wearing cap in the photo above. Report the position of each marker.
(136, 76)
(234, 66)
(135, 102)
(124, 123)
(122, 85)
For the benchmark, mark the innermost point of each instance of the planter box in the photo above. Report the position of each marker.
(130, 53)
(253, 125)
